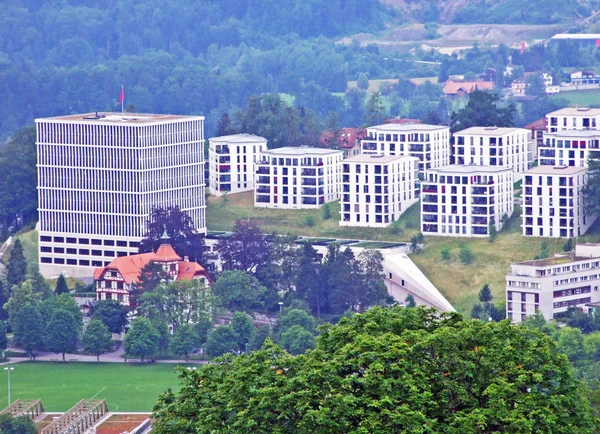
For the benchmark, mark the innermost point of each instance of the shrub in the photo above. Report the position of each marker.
(309, 220)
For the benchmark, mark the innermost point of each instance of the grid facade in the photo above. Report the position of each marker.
(572, 118)
(99, 176)
(569, 148)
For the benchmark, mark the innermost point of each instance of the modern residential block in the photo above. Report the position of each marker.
(493, 146)
(464, 201)
(100, 175)
(552, 285)
(573, 118)
(301, 177)
(553, 202)
(231, 162)
(377, 189)
(569, 148)
(429, 143)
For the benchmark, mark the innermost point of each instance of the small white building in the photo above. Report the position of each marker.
(553, 285)
(301, 177)
(569, 148)
(377, 189)
(553, 202)
(493, 146)
(462, 201)
(573, 118)
(231, 162)
(429, 143)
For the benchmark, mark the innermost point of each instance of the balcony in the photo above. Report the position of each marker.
(428, 198)
(528, 221)
(309, 181)
(263, 180)
(224, 169)
(346, 178)
(429, 189)
(479, 201)
(479, 220)
(263, 199)
(479, 231)
(479, 190)
(346, 188)
(223, 160)
(309, 172)
(309, 201)
(430, 228)
(430, 218)
(480, 210)
(346, 168)
(222, 150)
(548, 153)
(430, 208)
(263, 170)
(415, 148)
(224, 178)
(263, 189)
(309, 191)
(346, 198)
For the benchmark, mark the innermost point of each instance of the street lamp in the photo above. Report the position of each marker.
(8, 370)
(280, 305)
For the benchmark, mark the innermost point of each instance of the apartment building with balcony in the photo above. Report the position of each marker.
(231, 162)
(464, 201)
(573, 118)
(297, 177)
(552, 285)
(377, 189)
(569, 148)
(493, 146)
(553, 202)
(429, 143)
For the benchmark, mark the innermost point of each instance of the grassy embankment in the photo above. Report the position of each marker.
(458, 281)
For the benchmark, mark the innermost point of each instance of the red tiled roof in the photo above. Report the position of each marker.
(346, 139)
(166, 253)
(540, 124)
(452, 87)
(188, 270)
(129, 267)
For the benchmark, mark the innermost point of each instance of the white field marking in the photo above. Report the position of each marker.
(98, 392)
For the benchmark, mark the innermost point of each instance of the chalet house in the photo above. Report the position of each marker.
(348, 140)
(460, 88)
(118, 279)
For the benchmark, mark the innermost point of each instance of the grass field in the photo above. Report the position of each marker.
(60, 386)
(584, 98)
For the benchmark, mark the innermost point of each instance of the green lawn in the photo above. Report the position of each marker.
(60, 386)
(584, 98)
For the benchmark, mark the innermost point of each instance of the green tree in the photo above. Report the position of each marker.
(446, 254)
(492, 232)
(39, 285)
(16, 425)
(28, 329)
(16, 268)
(224, 126)
(482, 110)
(570, 342)
(409, 301)
(62, 333)
(485, 294)
(61, 302)
(247, 249)
(326, 212)
(21, 296)
(151, 275)
(466, 255)
(591, 192)
(294, 317)
(242, 325)
(221, 340)
(61, 286)
(363, 82)
(112, 313)
(184, 341)
(458, 375)
(375, 109)
(258, 339)
(142, 339)
(97, 339)
(238, 291)
(297, 340)
(3, 337)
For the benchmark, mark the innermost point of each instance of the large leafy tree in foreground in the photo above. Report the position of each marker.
(384, 371)
(482, 111)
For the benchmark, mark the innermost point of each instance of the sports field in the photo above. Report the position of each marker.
(60, 386)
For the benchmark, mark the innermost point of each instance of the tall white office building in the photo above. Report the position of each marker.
(100, 175)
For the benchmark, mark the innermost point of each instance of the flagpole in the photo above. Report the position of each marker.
(122, 99)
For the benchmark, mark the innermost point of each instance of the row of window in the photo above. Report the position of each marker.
(71, 251)
(93, 241)
(71, 261)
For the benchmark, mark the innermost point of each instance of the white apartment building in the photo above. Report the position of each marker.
(100, 175)
(429, 143)
(377, 189)
(553, 285)
(573, 118)
(553, 202)
(301, 177)
(462, 201)
(231, 162)
(569, 148)
(493, 146)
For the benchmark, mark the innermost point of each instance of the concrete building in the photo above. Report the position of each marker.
(569, 148)
(377, 189)
(231, 162)
(553, 202)
(100, 175)
(552, 285)
(493, 146)
(583, 40)
(462, 201)
(573, 118)
(429, 143)
(301, 177)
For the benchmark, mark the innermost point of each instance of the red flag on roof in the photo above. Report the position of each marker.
(522, 47)
(122, 96)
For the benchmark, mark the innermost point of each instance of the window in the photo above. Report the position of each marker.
(45, 238)
(97, 242)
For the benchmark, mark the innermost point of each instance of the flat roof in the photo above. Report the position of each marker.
(378, 159)
(574, 133)
(576, 36)
(469, 169)
(490, 131)
(408, 127)
(555, 170)
(555, 260)
(119, 118)
(575, 111)
(238, 138)
(301, 150)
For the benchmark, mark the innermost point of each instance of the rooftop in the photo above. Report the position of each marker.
(301, 150)
(555, 260)
(239, 138)
(555, 170)
(575, 111)
(408, 127)
(489, 131)
(378, 159)
(119, 118)
(576, 36)
(470, 169)
(575, 133)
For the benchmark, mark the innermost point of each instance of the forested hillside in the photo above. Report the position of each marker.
(180, 56)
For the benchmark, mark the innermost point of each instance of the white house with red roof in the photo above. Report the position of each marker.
(117, 280)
